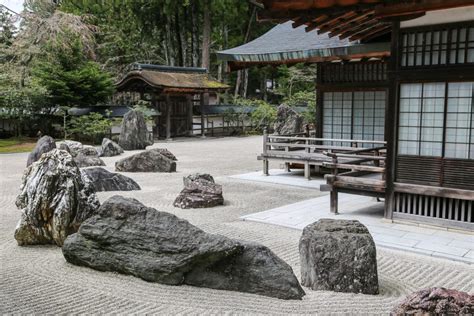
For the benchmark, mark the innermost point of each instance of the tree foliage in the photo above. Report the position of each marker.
(69, 77)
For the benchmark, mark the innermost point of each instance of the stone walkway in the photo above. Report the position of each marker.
(430, 241)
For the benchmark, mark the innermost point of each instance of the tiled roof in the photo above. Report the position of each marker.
(285, 43)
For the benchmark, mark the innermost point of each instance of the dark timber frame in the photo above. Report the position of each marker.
(427, 179)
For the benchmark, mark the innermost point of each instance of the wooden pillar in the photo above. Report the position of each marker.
(168, 117)
(203, 103)
(264, 153)
(334, 194)
(391, 119)
(319, 101)
(189, 100)
(307, 167)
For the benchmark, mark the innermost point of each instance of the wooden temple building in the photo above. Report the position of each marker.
(395, 100)
(174, 92)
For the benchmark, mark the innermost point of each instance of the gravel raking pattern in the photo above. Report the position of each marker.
(38, 279)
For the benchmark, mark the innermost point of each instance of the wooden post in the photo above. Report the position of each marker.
(391, 119)
(307, 167)
(334, 196)
(203, 130)
(168, 118)
(190, 115)
(265, 160)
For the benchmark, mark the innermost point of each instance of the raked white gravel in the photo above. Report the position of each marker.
(38, 279)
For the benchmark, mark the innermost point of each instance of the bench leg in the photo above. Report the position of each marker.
(287, 167)
(307, 171)
(265, 167)
(334, 200)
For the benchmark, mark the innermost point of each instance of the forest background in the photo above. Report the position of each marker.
(59, 54)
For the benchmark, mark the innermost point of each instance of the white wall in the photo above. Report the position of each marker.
(442, 17)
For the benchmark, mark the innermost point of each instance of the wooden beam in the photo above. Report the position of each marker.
(369, 36)
(332, 22)
(315, 23)
(351, 24)
(376, 31)
(434, 191)
(420, 6)
(363, 27)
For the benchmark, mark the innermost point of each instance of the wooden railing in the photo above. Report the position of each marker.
(311, 151)
(353, 172)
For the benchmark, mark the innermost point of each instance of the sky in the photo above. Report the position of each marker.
(15, 5)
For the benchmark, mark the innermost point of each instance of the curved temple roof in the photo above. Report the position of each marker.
(169, 79)
(285, 44)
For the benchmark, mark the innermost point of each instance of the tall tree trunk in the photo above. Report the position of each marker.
(179, 38)
(241, 74)
(195, 33)
(206, 35)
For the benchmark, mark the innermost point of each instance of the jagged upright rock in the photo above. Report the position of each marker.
(288, 121)
(134, 133)
(54, 200)
(199, 191)
(88, 156)
(109, 148)
(127, 237)
(146, 161)
(338, 255)
(436, 301)
(43, 145)
(103, 180)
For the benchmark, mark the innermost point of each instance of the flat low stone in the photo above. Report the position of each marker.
(436, 301)
(127, 237)
(200, 191)
(146, 161)
(165, 152)
(109, 148)
(338, 255)
(88, 156)
(54, 200)
(43, 145)
(103, 180)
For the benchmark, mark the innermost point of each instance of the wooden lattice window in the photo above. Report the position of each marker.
(448, 45)
(436, 120)
(358, 115)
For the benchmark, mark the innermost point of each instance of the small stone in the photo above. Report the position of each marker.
(109, 148)
(436, 301)
(340, 256)
(87, 156)
(71, 146)
(54, 200)
(146, 161)
(200, 191)
(43, 145)
(134, 132)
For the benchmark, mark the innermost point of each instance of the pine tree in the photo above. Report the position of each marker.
(69, 77)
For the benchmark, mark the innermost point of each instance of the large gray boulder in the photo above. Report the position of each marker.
(288, 121)
(43, 145)
(88, 156)
(436, 301)
(146, 161)
(130, 238)
(103, 180)
(199, 191)
(54, 200)
(109, 148)
(338, 255)
(134, 133)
